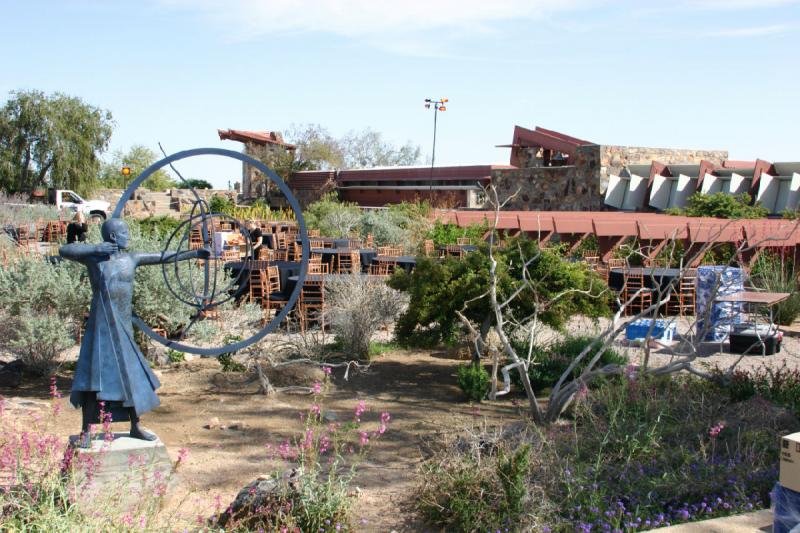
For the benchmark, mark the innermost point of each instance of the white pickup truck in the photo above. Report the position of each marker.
(63, 199)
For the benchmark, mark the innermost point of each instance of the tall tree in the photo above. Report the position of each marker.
(367, 149)
(317, 149)
(137, 158)
(51, 140)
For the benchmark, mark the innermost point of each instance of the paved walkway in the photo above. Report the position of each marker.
(758, 522)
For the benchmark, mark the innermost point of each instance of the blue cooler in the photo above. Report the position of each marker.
(663, 330)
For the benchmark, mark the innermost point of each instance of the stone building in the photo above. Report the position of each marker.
(558, 172)
(265, 146)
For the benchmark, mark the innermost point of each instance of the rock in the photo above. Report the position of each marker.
(213, 423)
(237, 425)
(264, 495)
(329, 416)
(11, 374)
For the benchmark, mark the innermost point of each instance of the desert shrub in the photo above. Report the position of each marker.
(437, 289)
(779, 385)
(548, 363)
(220, 204)
(17, 209)
(175, 356)
(160, 227)
(386, 228)
(474, 381)
(358, 307)
(332, 217)
(775, 273)
(476, 491)
(41, 308)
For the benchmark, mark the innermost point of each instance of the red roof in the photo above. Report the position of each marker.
(549, 139)
(257, 137)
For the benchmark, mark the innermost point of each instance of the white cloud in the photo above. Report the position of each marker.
(754, 31)
(367, 18)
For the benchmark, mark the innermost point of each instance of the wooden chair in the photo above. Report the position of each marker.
(616, 263)
(258, 280)
(682, 299)
(633, 284)
(454, 250)
(463, 240)
(318, 268)
(228, 256)
(273, 299)
(355, 243)
(390, 251)
(313, 233)
(312, 304)
(429, 248)
(348, 263)
(370, 241)
(280, 241)
(382, 268)
(316, 243)
(266, 254)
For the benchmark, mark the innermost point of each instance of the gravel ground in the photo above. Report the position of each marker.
(708, 354)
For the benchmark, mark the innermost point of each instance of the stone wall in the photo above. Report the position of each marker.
(253, 181)
(145, 203)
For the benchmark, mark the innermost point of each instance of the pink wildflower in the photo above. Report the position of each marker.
(315, 409)
(183, 454)
(327, 370)
(385, 417)
(716, 430)
(360, 408)
(364, 438)
(317, 388)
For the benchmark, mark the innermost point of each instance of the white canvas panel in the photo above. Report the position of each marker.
(738, 184)
(684, 188)
(637, 189)
(768, 188)
(661, 192)
(712, 184)
(615, 193)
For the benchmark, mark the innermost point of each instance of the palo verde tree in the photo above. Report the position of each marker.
(51, 140)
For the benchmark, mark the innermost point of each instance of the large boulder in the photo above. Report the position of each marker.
(260, 499)
(11, 374)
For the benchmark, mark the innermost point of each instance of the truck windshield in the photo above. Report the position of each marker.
(69, 196)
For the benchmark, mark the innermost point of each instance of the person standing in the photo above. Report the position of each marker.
(76, 230)
(256, 237)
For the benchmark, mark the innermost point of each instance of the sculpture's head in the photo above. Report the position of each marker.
(116, 230)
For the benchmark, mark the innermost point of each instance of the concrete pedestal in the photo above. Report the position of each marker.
(122, 469)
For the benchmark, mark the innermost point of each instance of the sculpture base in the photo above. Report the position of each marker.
(122, 470)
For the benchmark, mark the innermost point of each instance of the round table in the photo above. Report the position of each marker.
(406, 262)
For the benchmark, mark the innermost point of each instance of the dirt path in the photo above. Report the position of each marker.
(418, 389)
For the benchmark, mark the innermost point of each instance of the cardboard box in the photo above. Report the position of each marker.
(790, 462)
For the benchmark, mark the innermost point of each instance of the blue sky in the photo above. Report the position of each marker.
(717, 74)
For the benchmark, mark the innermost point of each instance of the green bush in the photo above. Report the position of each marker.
(220, 204)
(474, 381)
(444, 233)
(438, 289)
(720, 205)
(550, 362)
(779, 385)
(158, 227)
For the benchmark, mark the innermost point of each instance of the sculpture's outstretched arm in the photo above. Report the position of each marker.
(83, 253)
(166, 257)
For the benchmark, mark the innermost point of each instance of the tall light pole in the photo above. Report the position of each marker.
(438, 105)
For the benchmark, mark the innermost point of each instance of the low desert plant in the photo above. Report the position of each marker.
(776, 273)
(549, 362)
(474, 381)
